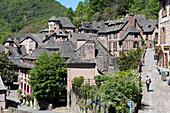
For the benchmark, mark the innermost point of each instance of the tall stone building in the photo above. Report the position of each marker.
(164, 31)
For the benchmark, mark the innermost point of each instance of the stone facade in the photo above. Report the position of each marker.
(3, 90)
(164, 31)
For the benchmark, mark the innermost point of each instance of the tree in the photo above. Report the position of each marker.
(6, 70)
(48, 78)
(70, 13)
(131, 60)
(119, 88)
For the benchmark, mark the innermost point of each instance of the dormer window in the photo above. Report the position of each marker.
(60, 32)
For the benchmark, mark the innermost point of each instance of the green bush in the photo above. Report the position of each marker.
(100, 78)
(28, 97)
(77, 81)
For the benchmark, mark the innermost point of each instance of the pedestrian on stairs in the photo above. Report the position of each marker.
(148, 81)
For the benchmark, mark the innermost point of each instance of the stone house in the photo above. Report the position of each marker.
(60, 23)
(127, 32)
(3, 90)
(91, 59)
(89, 27)
(164, 30)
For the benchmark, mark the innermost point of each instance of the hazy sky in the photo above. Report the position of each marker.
(70, 3)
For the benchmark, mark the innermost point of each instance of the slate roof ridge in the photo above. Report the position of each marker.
(9, 40)
(66, 22)
(53, 19)
(129, 29)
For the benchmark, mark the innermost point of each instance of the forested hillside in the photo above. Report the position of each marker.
(96, 10)
(26, 16)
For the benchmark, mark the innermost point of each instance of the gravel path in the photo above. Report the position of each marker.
(158, 99)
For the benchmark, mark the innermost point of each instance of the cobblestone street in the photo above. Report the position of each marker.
(157, 100)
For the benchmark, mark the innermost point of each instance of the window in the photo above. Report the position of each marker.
(109, 46)
(163, 35)
(110, 37)
(27, 88)
(11, 44)
(21, 85)
(156, 35)
(135, 44)
(146, 36)
(136, 35)
(115, 45)
(96, 52)
(115, 36)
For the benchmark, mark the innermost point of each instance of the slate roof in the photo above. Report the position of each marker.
(75, 36)
(44, 30)
(9, 40)
(66, 22)
(103, 28)
(116, 28)
(102, 60)
(60, 33)
(2, 86)
(13, 52)
(23, 50)
(36, 37)
(67, 49)
(90, 25)
(37, 52)
(17, 61)
(148, 25)
(51, 44)
(53, 19)
(129, 29)
(2, 48)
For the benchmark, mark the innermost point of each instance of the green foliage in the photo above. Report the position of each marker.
(70, 13)
(97, 10)
(122, 87)
(101, 78)
(77, 81)
(6, 69)
(131, 60)
(16, 14)
(143, 42)
(155, 41)
(48, 78)
(158, 52)
(28, 97)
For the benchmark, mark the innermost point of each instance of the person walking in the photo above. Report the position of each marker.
(148, 81)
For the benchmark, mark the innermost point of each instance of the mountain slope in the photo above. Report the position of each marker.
(27, 15)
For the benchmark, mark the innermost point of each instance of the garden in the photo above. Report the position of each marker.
(110, 93)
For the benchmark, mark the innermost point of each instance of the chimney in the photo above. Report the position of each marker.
(131, 18)
(90, 50)
(80, 42)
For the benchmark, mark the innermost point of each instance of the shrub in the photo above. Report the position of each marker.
(28, 97)
(77, 81)
(100, 78)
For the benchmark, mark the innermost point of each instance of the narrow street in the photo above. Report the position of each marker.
(158, 99)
